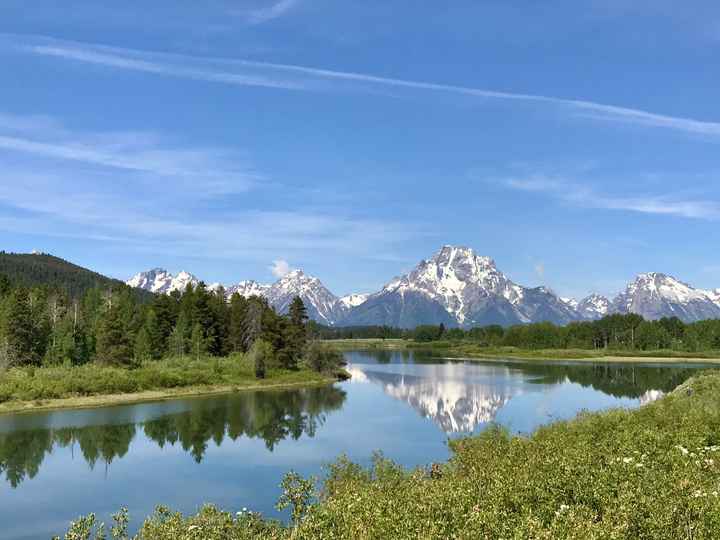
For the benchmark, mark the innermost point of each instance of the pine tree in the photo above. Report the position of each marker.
(18, 331)
(143, 346)
(113, 342)
(298, 312)
(154, 335)
(238, 312)
(295, 334)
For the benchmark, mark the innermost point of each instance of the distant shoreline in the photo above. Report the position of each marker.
(470, 351)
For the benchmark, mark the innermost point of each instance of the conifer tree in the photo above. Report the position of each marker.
(143, 346)
(18, 329)
(296, 333)
(113, 342)
(238, 312)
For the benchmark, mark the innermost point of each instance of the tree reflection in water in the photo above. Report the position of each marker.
(270, 416)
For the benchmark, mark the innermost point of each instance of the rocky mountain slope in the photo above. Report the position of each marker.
(457, 287)
(656, 295)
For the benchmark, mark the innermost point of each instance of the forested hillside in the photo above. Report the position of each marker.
(32, 270)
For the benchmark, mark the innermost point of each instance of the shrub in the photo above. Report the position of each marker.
(321, 358)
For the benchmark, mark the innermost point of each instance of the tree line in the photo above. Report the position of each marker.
(629, 332)
(47, 326)
(622, 332)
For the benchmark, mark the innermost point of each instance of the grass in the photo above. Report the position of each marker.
(23, 389)
(469, 349)
(366, 344)
(473, 350)
(652, 472)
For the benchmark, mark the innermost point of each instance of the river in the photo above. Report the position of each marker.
(233, 450)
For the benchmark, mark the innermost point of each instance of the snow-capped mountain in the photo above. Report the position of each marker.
(656, 295)
(322, 305)
(353, 300)
(247, 289)
(159, 280)
(593, 307)
(457, 287)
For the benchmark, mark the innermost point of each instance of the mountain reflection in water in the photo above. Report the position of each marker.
(460, 397)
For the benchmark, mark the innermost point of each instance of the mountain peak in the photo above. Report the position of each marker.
(159, 280)
(449, 254)
(655, 295)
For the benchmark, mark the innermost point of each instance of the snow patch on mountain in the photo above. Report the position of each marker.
(457, 278)
(159, 280)
(322, 305)
(353, 300)
(593, 307)
(247, 289)
(654, 295)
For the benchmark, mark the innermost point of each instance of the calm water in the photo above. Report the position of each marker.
(233, 450)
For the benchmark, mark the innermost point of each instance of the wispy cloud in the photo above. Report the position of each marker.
(214, 170)
(296, 77)
(589, 197)
(262, 15)
(150, 194)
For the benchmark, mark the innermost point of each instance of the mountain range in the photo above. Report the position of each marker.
(459, 288)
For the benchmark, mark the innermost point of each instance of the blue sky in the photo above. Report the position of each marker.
(576, 142)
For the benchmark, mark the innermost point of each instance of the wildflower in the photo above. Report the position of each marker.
(563, 508)
(684, 450)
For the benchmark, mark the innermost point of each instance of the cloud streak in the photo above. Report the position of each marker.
(303, 78)
(259, 16)
(215, 171)
(588, 197)
(148, 194)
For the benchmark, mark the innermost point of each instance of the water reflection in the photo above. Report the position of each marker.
(461, 397)
(270, 416)
(453, 404)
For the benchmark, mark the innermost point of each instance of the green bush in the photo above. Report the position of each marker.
(322, 358)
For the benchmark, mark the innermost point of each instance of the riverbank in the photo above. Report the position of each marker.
(469, 351)
(33, 389)
(652, 472)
